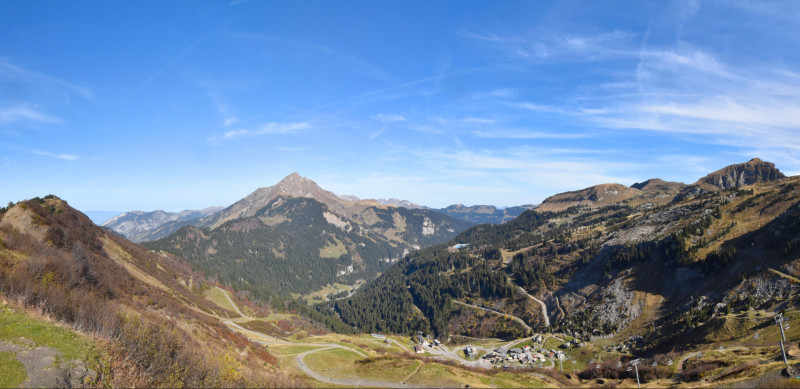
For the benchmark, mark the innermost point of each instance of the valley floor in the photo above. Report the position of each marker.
(390, 361)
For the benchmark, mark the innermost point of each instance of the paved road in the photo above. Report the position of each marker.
(541, 303)
(518, 320)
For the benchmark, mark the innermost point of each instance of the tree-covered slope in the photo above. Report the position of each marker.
(590, 270)
(297, 245)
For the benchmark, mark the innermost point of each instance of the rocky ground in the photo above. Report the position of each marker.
(44, 368)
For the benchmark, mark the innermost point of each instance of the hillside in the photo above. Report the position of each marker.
(295, 237)
(654, 191)
(613, 261)
(479, 214)
(125, 316)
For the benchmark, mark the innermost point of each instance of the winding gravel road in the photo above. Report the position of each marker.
(518, 320)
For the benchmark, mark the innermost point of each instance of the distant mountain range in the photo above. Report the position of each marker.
(479, 214)
(140, 226)
(668, 260)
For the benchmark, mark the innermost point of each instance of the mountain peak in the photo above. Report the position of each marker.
(299, 186)
(658, 185)
(751, 172)
(292, 177)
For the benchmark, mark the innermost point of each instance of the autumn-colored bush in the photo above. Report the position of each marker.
(70, 278)
(694, 369)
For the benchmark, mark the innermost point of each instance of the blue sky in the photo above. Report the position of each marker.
(174, 105)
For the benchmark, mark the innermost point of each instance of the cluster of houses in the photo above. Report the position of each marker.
(422, 342)
(523, 355)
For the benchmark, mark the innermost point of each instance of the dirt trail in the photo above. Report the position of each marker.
(235, 307)
(518, 320)
(353, 382)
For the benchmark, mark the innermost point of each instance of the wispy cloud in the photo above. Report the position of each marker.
(478, 120)
(265, 129)
(527, 134)
(363, 67)
(65, 157)
(61, 156)
(300, 148)
(551, 46)
(378, 133)
(21, 112)
(552, 172)
(389, 118)
(678, 89)
(175, 60)
(215, 93)
(11, 71)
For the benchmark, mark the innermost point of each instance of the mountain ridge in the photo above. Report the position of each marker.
(309, 236)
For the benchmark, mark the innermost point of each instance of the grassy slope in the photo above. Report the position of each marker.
(16, 325)
(12, 373)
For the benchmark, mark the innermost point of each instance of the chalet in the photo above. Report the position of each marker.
(551, 354)
(469, 351)
(515, 351)
(437, 342)
(418, 349)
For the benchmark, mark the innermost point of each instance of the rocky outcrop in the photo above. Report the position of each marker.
(754, 171)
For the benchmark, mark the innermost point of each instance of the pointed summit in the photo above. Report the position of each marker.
(293, 185)
(293, 177)
(297, 186)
